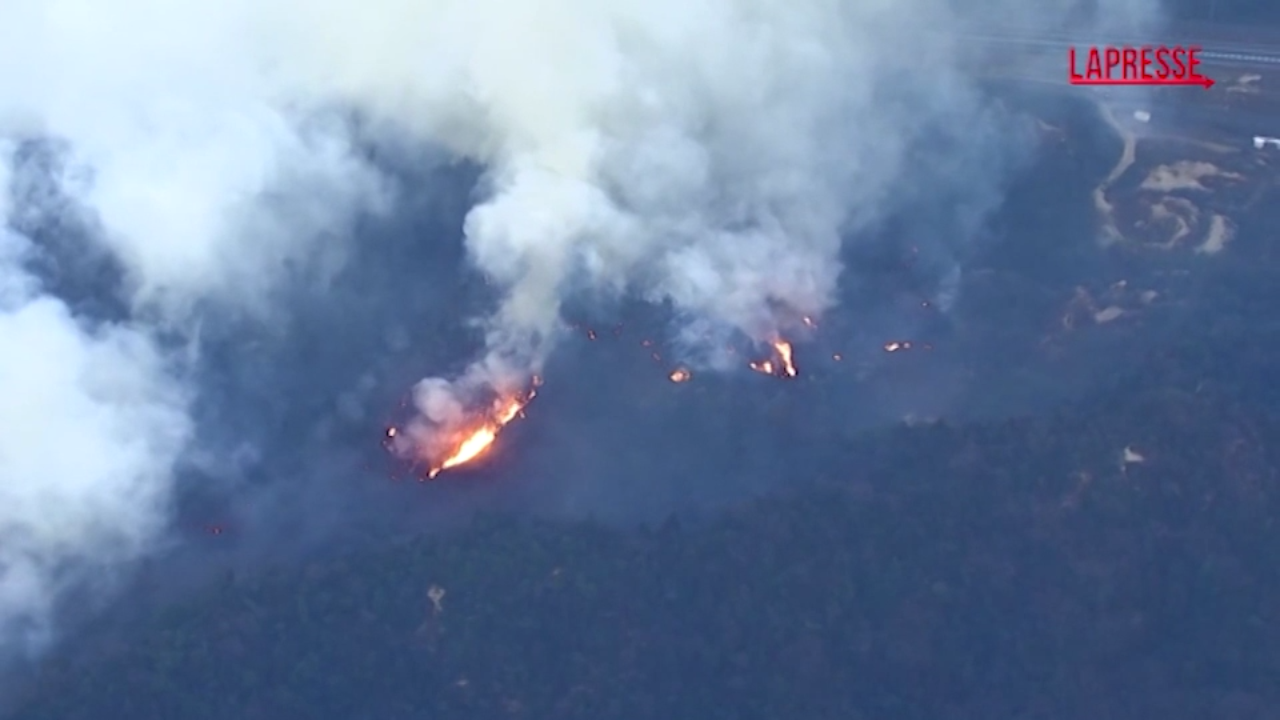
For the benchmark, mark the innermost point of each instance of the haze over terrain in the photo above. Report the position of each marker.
(238, 233)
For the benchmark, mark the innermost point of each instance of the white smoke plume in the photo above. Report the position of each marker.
(709, 154)
(91, 425)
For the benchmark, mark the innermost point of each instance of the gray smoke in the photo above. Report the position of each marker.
(712, 155)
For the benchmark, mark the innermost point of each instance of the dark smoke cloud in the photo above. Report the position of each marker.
(206, 217)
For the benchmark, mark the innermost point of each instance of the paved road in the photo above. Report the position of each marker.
(1234, 55)
(1244, 61)
(1228, 38)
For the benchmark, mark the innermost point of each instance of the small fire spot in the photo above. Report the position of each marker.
(781, 364)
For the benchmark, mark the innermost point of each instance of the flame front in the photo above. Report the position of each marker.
(471, 448)
(476, 441)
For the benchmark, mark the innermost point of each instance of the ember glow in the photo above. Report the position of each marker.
(680, 375)
(781, 364)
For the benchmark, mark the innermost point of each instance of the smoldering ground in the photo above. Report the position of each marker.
(231, 254)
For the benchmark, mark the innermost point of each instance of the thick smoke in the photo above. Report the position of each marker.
(92, 424)
(711, 155)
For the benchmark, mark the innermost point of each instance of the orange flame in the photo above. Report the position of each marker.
(784, 353)
(476, 441)
(781, 364)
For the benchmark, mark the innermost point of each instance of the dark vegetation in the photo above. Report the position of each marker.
(1004, 569)
(1012, 569)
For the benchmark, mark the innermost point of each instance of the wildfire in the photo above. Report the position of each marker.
(474, 442)
(781, 364)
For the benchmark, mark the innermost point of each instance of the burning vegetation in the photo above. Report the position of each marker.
(476, 441)
(469, 435)
(780, 364)
(443, 448)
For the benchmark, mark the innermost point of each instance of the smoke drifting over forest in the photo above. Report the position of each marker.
(210, 203)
